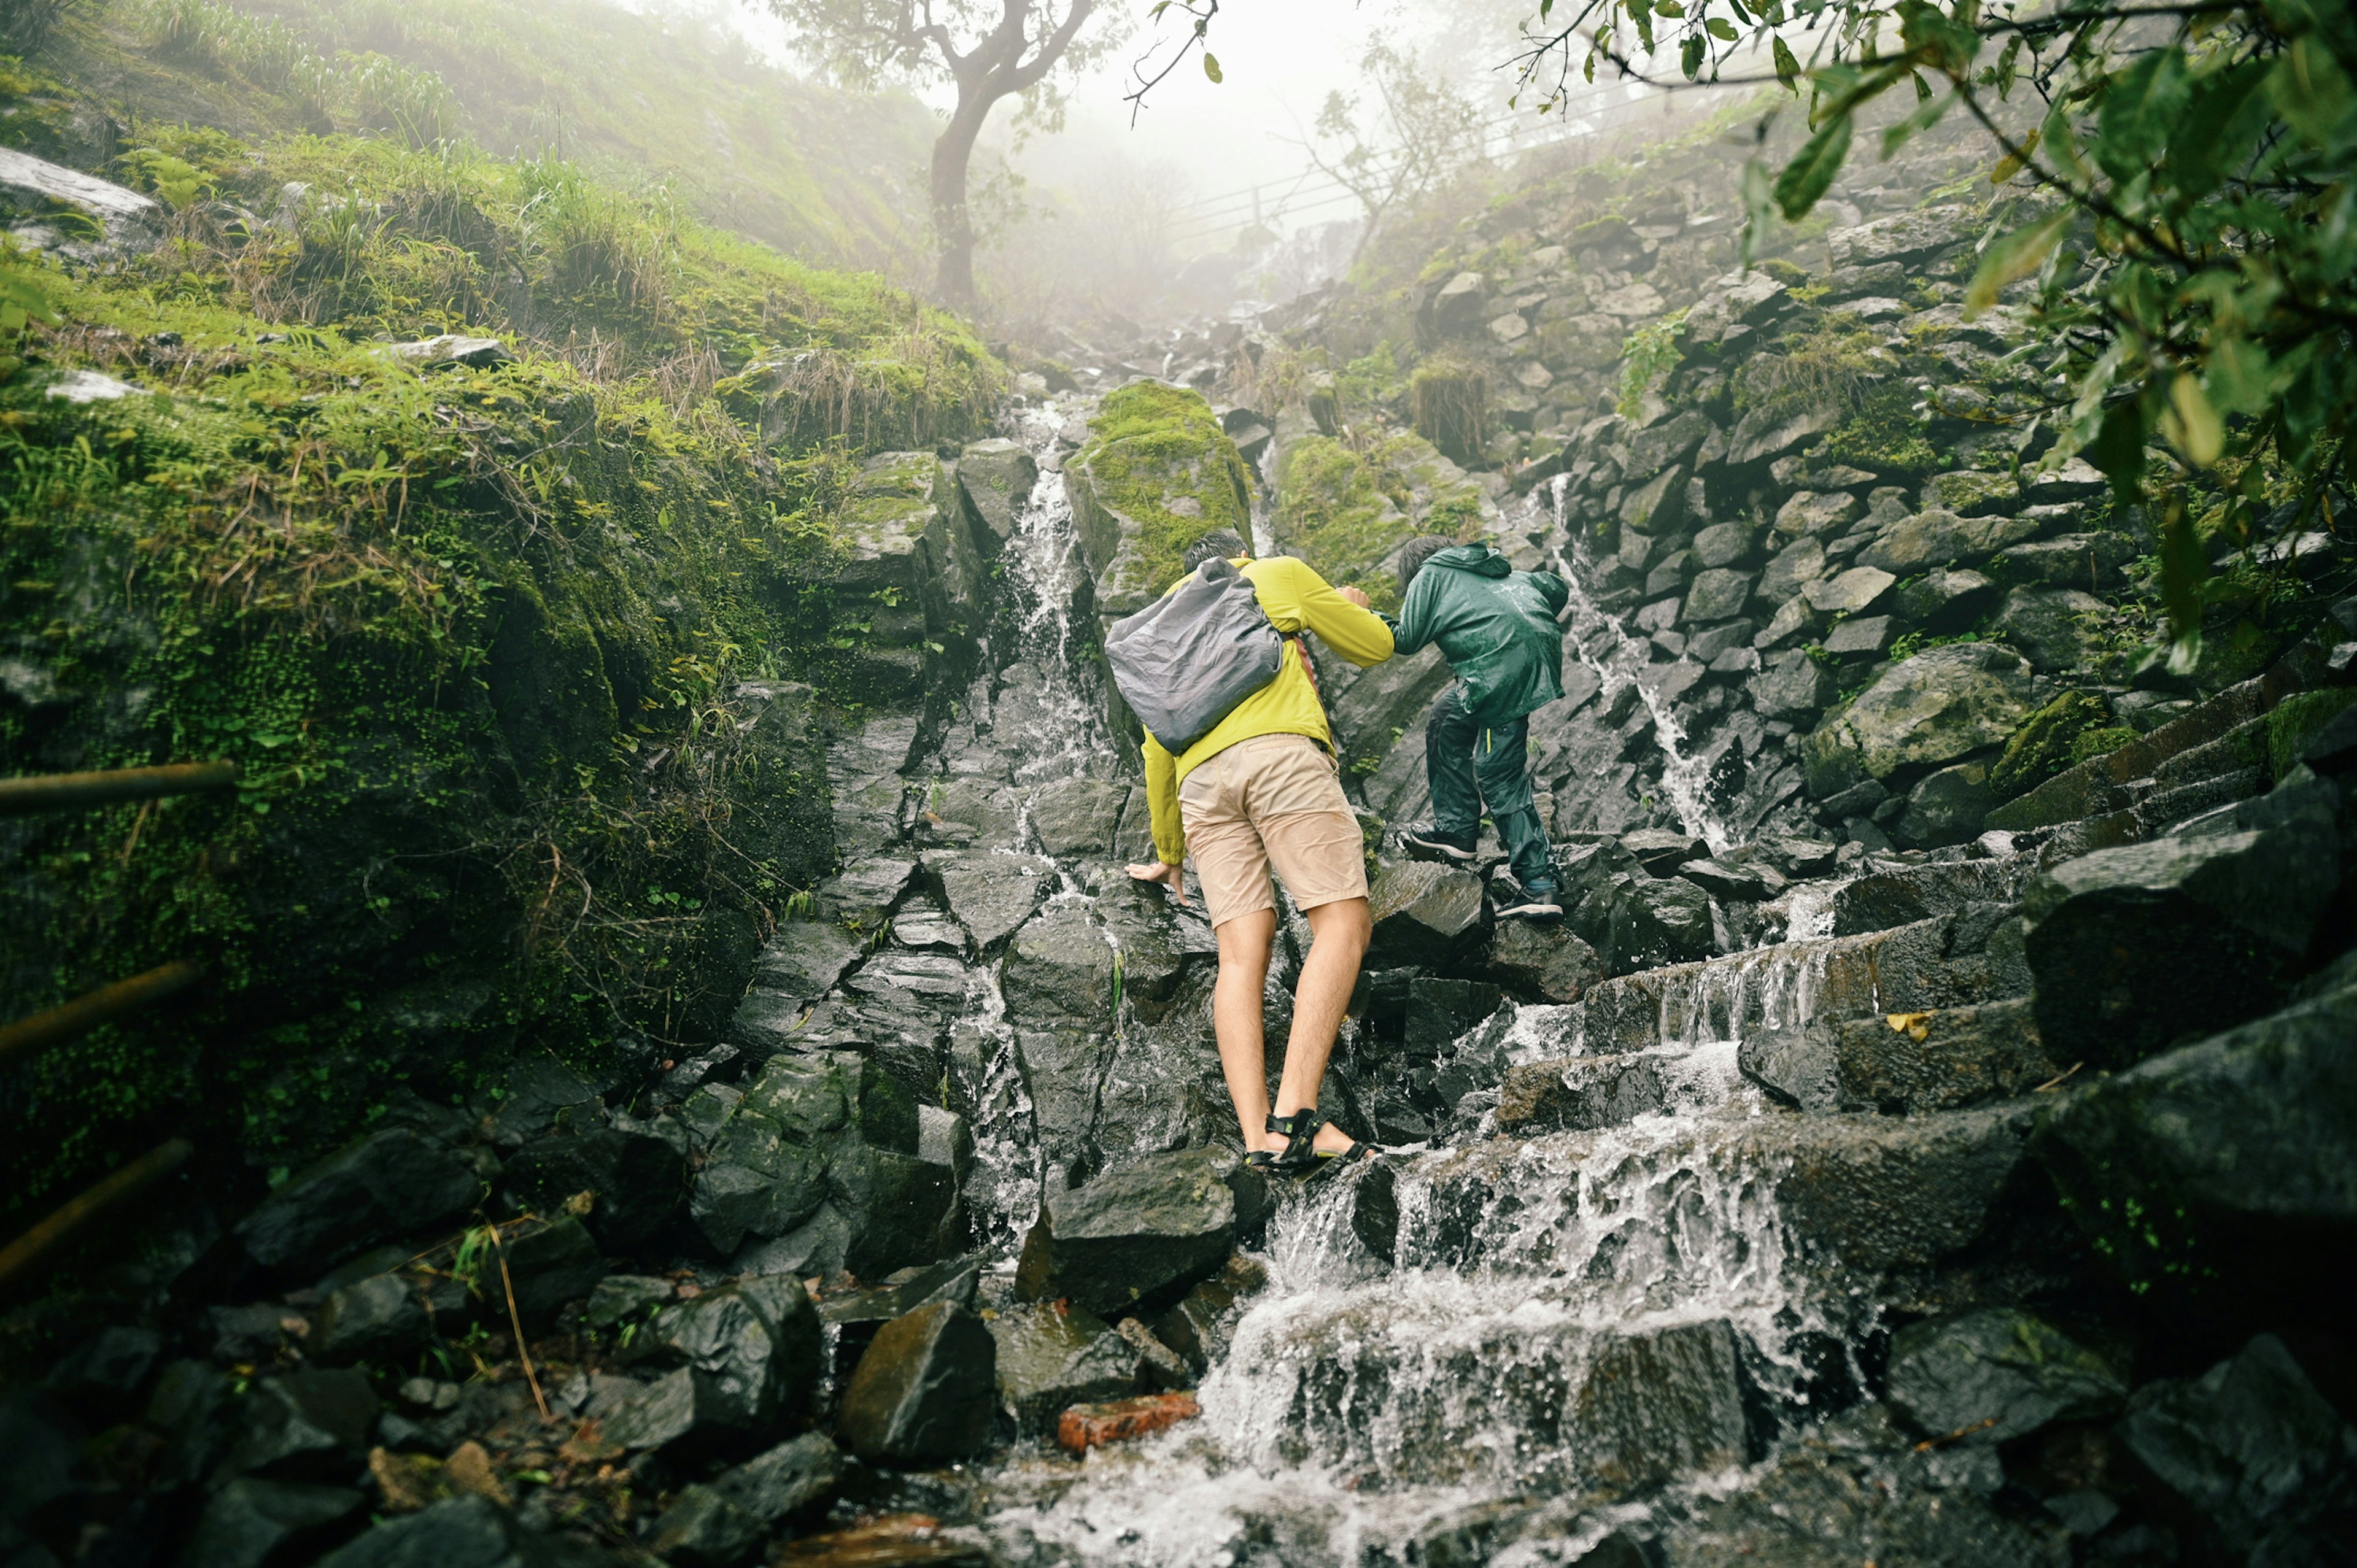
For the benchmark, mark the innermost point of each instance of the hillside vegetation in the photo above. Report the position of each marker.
(476, 623)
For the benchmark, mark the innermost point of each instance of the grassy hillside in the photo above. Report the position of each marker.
(477, 636)
(637, 100)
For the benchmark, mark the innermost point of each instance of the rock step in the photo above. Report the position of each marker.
(2164, 808)
(1865, 1192)
(2092, 787)
(2244, 746)
(1904, 969)
(1884, 899)
(1904, 1063)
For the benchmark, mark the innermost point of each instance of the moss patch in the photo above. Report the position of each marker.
(2293, 722)
(479, 641)
(1344, 514)
(1157, 455)
(2047, 743)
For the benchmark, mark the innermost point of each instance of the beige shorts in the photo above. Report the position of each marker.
(1275, 799)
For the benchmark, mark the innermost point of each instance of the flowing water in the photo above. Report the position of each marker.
(1563, 1318)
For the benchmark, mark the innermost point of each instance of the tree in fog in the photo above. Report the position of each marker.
(990, 49)
(1406, 132)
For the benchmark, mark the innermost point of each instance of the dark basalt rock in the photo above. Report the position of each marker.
(790, 1484)
(1052, 1355)
(637, 1179)
(924, 1392)
(393, 1183)
(1989, 1376)
(253, 1523)
(549, 1267)
(383, 1317)
(1543, 962)
(1423, 913)
(302, 1426)
(2255, 1451)
(750, 1352)
(1060, 966)
(464, 1532)
(2213, 920)
(1199, 1327)
(1942, 1060)
(706, 1530)
(1136, 1239)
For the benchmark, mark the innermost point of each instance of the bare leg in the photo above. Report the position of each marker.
(1238, 1003)
(1338, 934)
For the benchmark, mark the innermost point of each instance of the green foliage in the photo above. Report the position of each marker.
(1448, 402)
(2187, 238)
(1344, 512)
(1647, 357)
(473, 636)
(2293, 722)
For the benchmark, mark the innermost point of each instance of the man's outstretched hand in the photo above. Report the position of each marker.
(1355, 595)
(1171, 876)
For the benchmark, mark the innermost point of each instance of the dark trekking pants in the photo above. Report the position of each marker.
(1472, 764)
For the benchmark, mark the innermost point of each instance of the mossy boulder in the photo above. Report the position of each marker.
(2046, 743)
(1157, 473)
(1937, 707)
(907, 581)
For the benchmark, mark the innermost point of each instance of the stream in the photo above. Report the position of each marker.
(1574, 1309)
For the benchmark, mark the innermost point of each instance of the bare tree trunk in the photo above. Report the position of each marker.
(952, 222)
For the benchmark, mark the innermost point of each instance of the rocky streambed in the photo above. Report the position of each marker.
(1796, 1200)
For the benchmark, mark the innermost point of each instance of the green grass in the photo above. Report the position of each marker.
(471, 635)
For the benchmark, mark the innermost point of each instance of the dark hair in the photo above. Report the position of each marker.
(1224, 543)
(1416, 553)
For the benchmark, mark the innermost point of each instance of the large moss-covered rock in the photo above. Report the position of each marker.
(1936, 707)
(908, 552)
(1156, 472)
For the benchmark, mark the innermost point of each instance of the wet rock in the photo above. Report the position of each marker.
(1660, 1405)
(1942, 1060)
(1988, 1377)
(2253, 1448)
(2047, 624)
(1934, 708)
(550, 1266)
(898, 1209)
(1052, 1355)
(659, 1415)
(750, 1352)
(1060, 966)
(924, 1392)
(863, 896)
(1137, 1238)
(1543, 962)
(1850, 592)
(107, 1370)
(703, 1529)
(637, 1179)
(251, 1521)
(2242, 1141)
(1581, 1092)
(1078, 816)
(1724, 882)
(1439, 1011)
(465, 1531)
(380, 1318)
(1942, 600)
(1934, 539)
(756, 1185)
(1662, 851)
(1719, 594)
(1423, 913)
(805, 959)
(1087, 1426)
(1879, 1194)
(1200, 1327)
(393, 1183)
(1656, 922)
(894, 1540)
(792, 1483)
(619, 1298)
(1799, 1065)
(1795, 686)
(2214, 918)
(1160, 944)
(304, 1425)
(995, 478)
(1947, 804)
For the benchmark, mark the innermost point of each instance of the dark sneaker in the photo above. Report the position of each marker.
(1528, 904)
(1431, 843)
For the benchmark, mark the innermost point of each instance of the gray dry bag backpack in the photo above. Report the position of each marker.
(1185, 661)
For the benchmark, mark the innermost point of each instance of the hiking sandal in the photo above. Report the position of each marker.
(1341, 1157)
(1301, 1131)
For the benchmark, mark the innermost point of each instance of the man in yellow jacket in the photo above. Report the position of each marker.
(1262, 790)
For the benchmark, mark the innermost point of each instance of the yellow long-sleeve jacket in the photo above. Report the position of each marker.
(1295, 599)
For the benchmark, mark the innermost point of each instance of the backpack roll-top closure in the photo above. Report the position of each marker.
(1185, 661)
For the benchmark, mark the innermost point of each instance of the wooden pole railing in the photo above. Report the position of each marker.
(33, 1245)
(65, 792)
